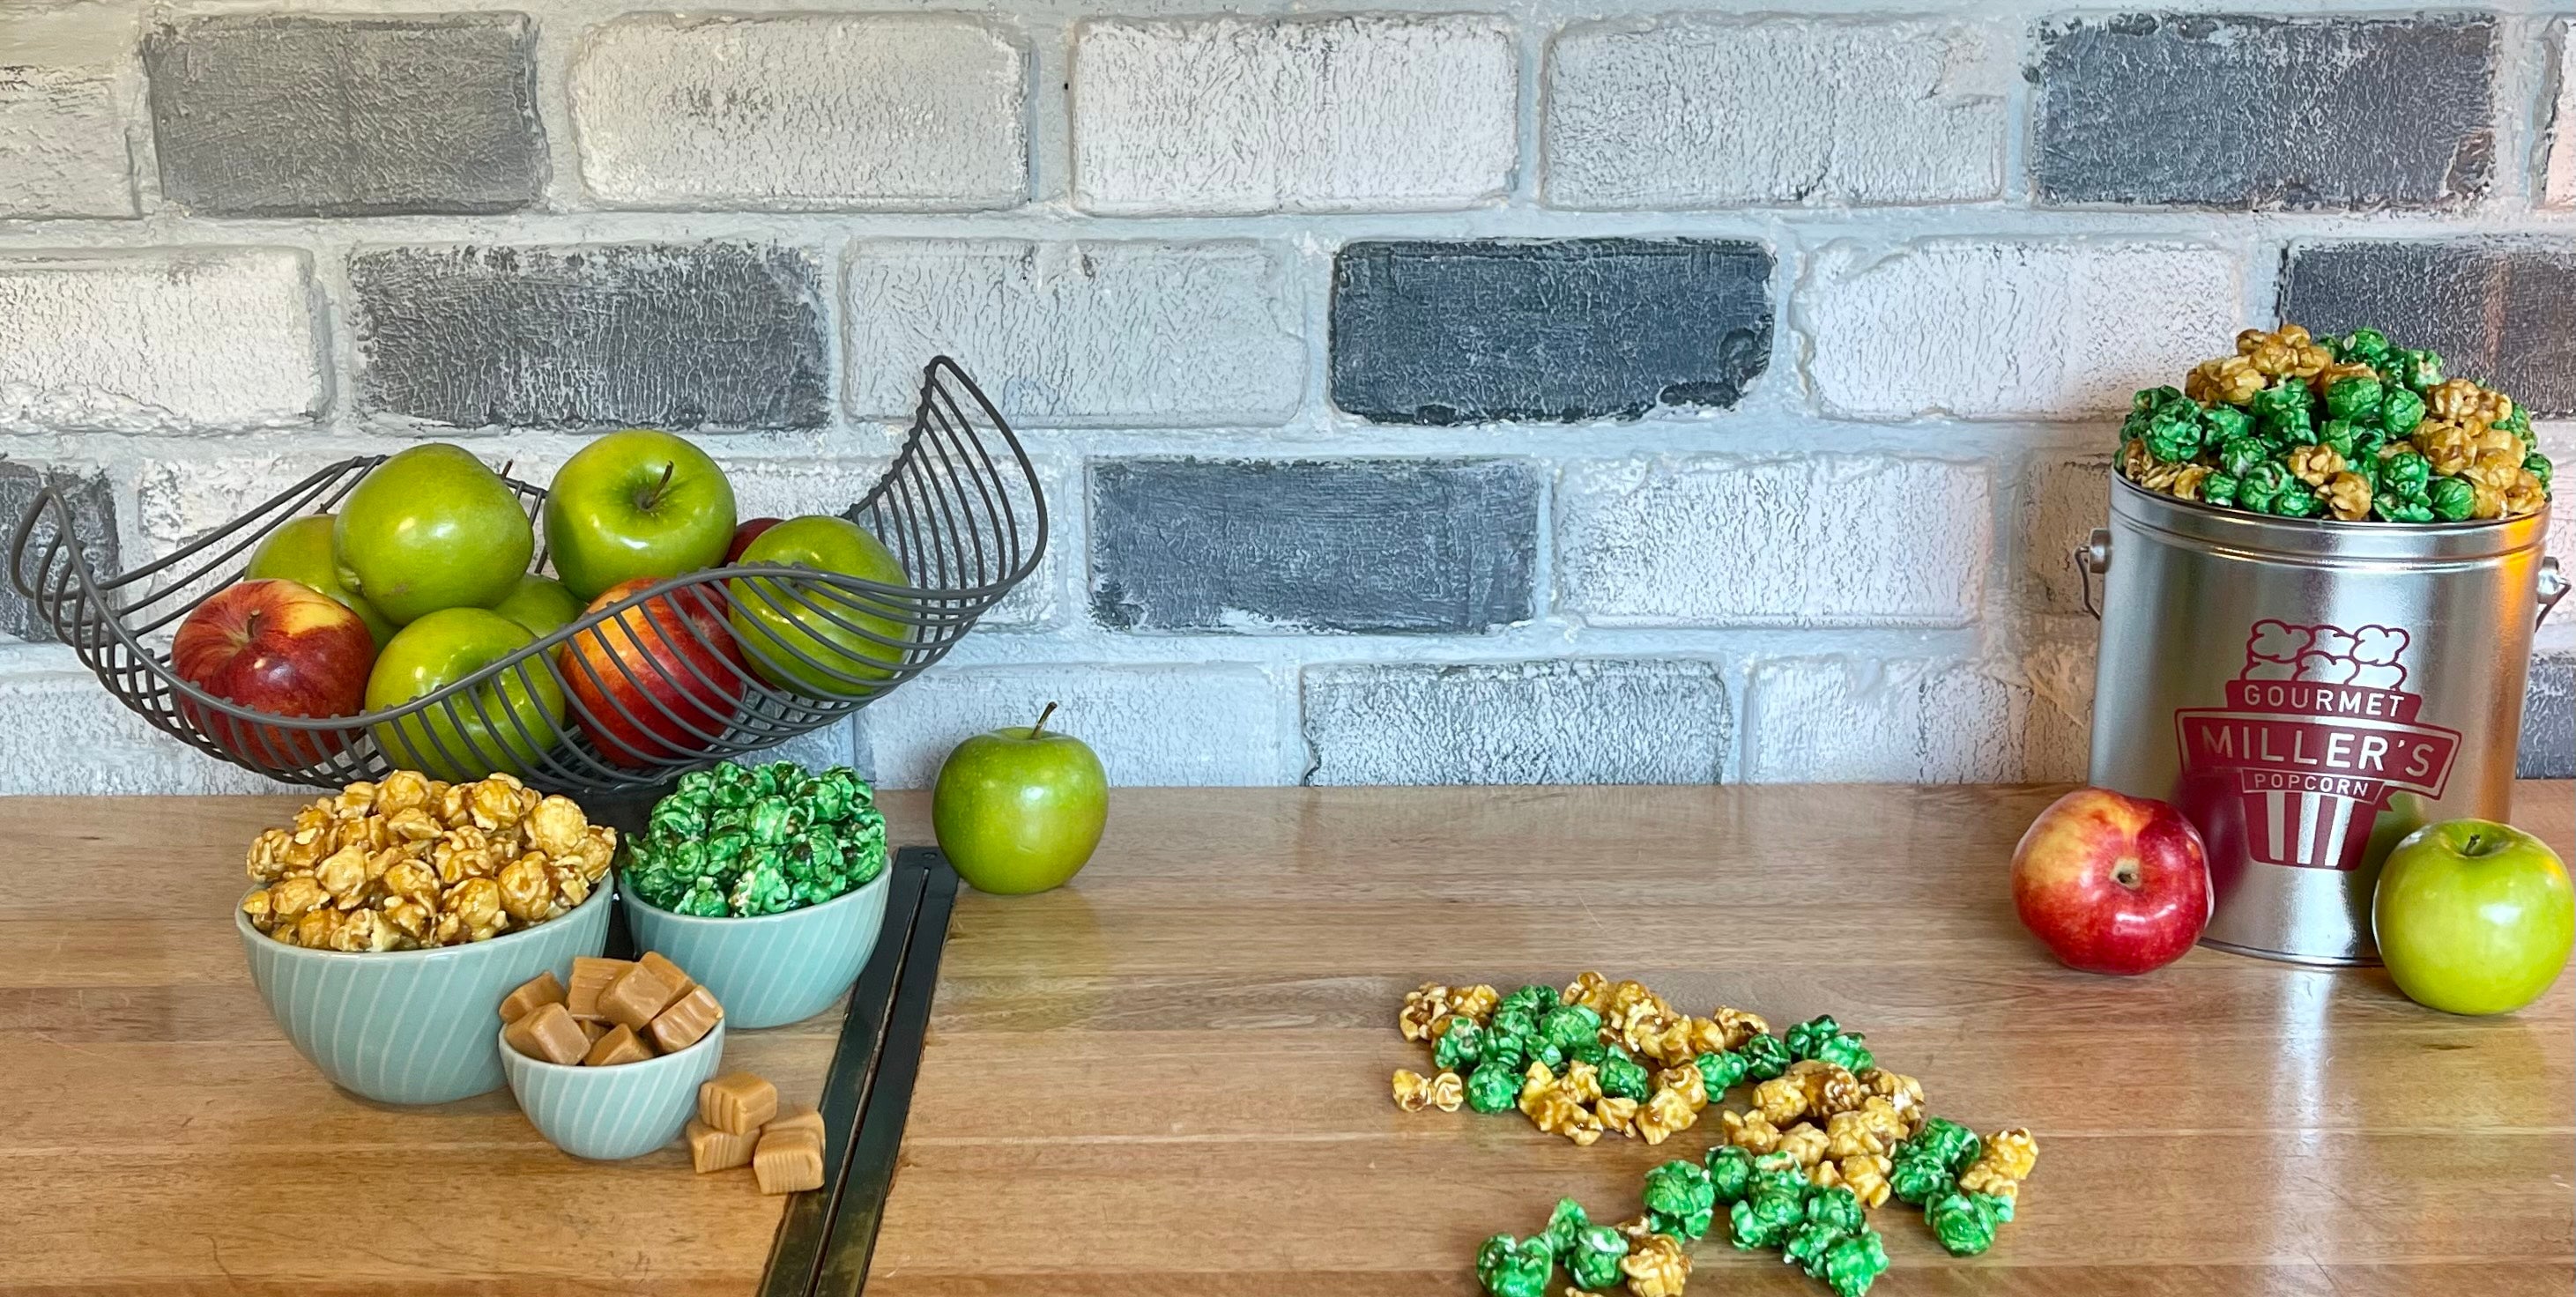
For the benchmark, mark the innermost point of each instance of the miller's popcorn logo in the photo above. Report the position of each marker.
(2317, 735)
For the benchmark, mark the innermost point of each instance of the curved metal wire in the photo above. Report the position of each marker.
(689, 671)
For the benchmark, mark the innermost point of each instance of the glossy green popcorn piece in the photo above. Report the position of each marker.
(1846, 1052)
(1965, 1226)
(770, 820)
(1514, 1022)
(680, 815)
(1680, 1199)
(1918, 1178)
(1803, 1038)
(1508, 1267)
(2364, 346)
(2000, 1206)
(1763, 1218)
(1567, 1220)
(732, 786)
(1594, 1260)
(2356, 397)
(2297, 501)
(2404, 473)
(1460, 1047)
(2284, 400)
(2238, 455)
(1588, 1052)
(2421, 370)
(1512, 1052)
(1855, 1263)
(703, 899)
(1730, 1173)
(1805, 1245)
(1625, 1078)
(2219, 488)
(2337, 434)
(2400, 410)
(2173, 433)
(1765, 1057)
(1569, 1025)
(1532, 1000)
(2538, 466)
(1719, 1071)
(2453, 498)
(2397, 508)
(1494, 1086)
(1952, 1145)
(1835, 1206)
(2230, 423)
(1542, 1051)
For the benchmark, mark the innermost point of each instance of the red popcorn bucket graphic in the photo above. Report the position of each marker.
(2307, 693)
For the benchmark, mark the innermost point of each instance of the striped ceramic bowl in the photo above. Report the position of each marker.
(770, 968)
(412, 1026)
(608, 1114)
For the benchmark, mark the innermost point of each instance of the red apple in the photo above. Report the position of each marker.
(280, 647)
(745, 534)
(657, 680)
(2112, 883)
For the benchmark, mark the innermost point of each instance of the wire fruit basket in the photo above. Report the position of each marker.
(694, 669)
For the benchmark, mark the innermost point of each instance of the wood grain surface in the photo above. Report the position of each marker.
(1171, 1077)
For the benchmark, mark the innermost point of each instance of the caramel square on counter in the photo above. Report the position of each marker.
(788, 1161)
(548, 1032)
(618, 1046)
(711, 1149)
(634, 998)
(529, 995)
(687, 1021)
(795, 1116)
(590, 977)
(737, 1103)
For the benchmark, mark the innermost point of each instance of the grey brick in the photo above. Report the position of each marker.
(1579, 721)
(2549, 720)
(2264, 113)
(93, 514)
(1405, 546)
(1431, 332)
(2500, 311)
(294, 116)
(721, 334)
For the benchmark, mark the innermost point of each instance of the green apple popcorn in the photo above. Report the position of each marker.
(732, 841)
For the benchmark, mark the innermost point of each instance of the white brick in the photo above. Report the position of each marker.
(183, 340)
(1577, 721)
(1152, 726)
(68, 97)
(920, 112)
(178, 501)
(1234, 115)
(1693, 111)
(67, 734)
(2063, 498)
(1138, 334)
(1853, 720)
(2012, 329)
(1811, 541)
(2558, 168)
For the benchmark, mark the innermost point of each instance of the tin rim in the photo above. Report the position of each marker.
(2325, 537)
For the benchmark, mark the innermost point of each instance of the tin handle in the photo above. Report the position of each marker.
(2552, 586)
(2093, 558)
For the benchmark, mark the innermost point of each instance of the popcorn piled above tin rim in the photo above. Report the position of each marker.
(2348, 428)
(411, 862)
(1828, 1136)
(735, 841)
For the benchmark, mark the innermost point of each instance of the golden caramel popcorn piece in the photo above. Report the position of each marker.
(1866, 1176)
(2002, 1164)
(2525, 496)
(1667, 1114)
(1581, 1082)
(2488, 502)
(1412, 1090)
(1475, 1002)
(1656, 1266)
(2447, 446)
(1617, 1114)
(1687, 1082)
(1857, 1133)
(527, 893)
(476, 905)
(1903, 1093)
(1738, 1025)
(1589, 989)
(1830, 1089)
(354, 800)
(1750, 1131)
(2347, 496)
(1448, 1090)
(1424, 1006)
(2314, 465)
(1804, 1142)
(2227, 380)
(1781, 1100)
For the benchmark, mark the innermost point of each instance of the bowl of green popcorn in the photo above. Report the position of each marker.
(768, 883)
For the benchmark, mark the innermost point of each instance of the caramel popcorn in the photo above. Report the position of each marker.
(1667, 1114)
(1805, 1143)
(1656, 1266)
(1830, 1089)
(1618, 1114)
(1865, 1174)
(406, 864)
(2348, 496)
(1412, 1090)
(1738, 1025)
(2228, 380)
(1781, 1100)
(1448, 1091)
(1423, 1006)
(2314, 464)
(1476, 1002)
(1589, 989)
(1902, 1093)
(2447, 446)
(2285, 352)
(1687, 1082)
(1750, 1131)
(2004, 1162)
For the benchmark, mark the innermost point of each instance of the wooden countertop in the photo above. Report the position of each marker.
(1172, 1077)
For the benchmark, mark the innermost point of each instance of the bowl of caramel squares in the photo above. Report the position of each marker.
(387, 919)
(608, 1065)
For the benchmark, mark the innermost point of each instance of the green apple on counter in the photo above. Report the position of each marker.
(2473, 916)
(432, 527)
(503, 724)
(795, 648)
(541, 604)
(1019, 810)
(637, 503)
(300, 551)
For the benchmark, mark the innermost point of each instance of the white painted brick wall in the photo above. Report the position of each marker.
(1232, 115)
(1689, 111)
(885, 111)
(65, 734)
(1081, 333)
(1812, 541)
(1584, 720)
(67, 98)
(1999, 330)
(1151, 725)
(214, 339)
(2558, 166)
(2064, 496)
(1848, 719)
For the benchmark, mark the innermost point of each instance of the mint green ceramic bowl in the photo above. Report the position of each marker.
(412, 1026)
(609, 1114)
(771, 968)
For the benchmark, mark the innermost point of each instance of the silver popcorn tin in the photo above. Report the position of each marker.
(2308, 693)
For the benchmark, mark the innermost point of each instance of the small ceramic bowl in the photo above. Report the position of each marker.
(413, 1026)
(771, 968)
(609, 1114)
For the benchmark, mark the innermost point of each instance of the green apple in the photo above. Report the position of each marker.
(504, 723)
(1018, 810)
(300, 551)
(432, 528)
(636, 503)
(2473, 916)
(540, 603)
(837, 659)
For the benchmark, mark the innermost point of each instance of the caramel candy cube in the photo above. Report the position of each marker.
(537, 990)
(788, 1161)
(592, 1028)
(590, 978)
(547, 1032)
(669, 973)
(620, 1045)
(633, 999)
(687, 1021)
(711, 1149)
(795, 1116)
(737, 1103)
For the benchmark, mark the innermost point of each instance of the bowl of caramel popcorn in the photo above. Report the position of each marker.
(389, 918)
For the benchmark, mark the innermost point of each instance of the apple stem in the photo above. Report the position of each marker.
(1042, 720)
(654, 496)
